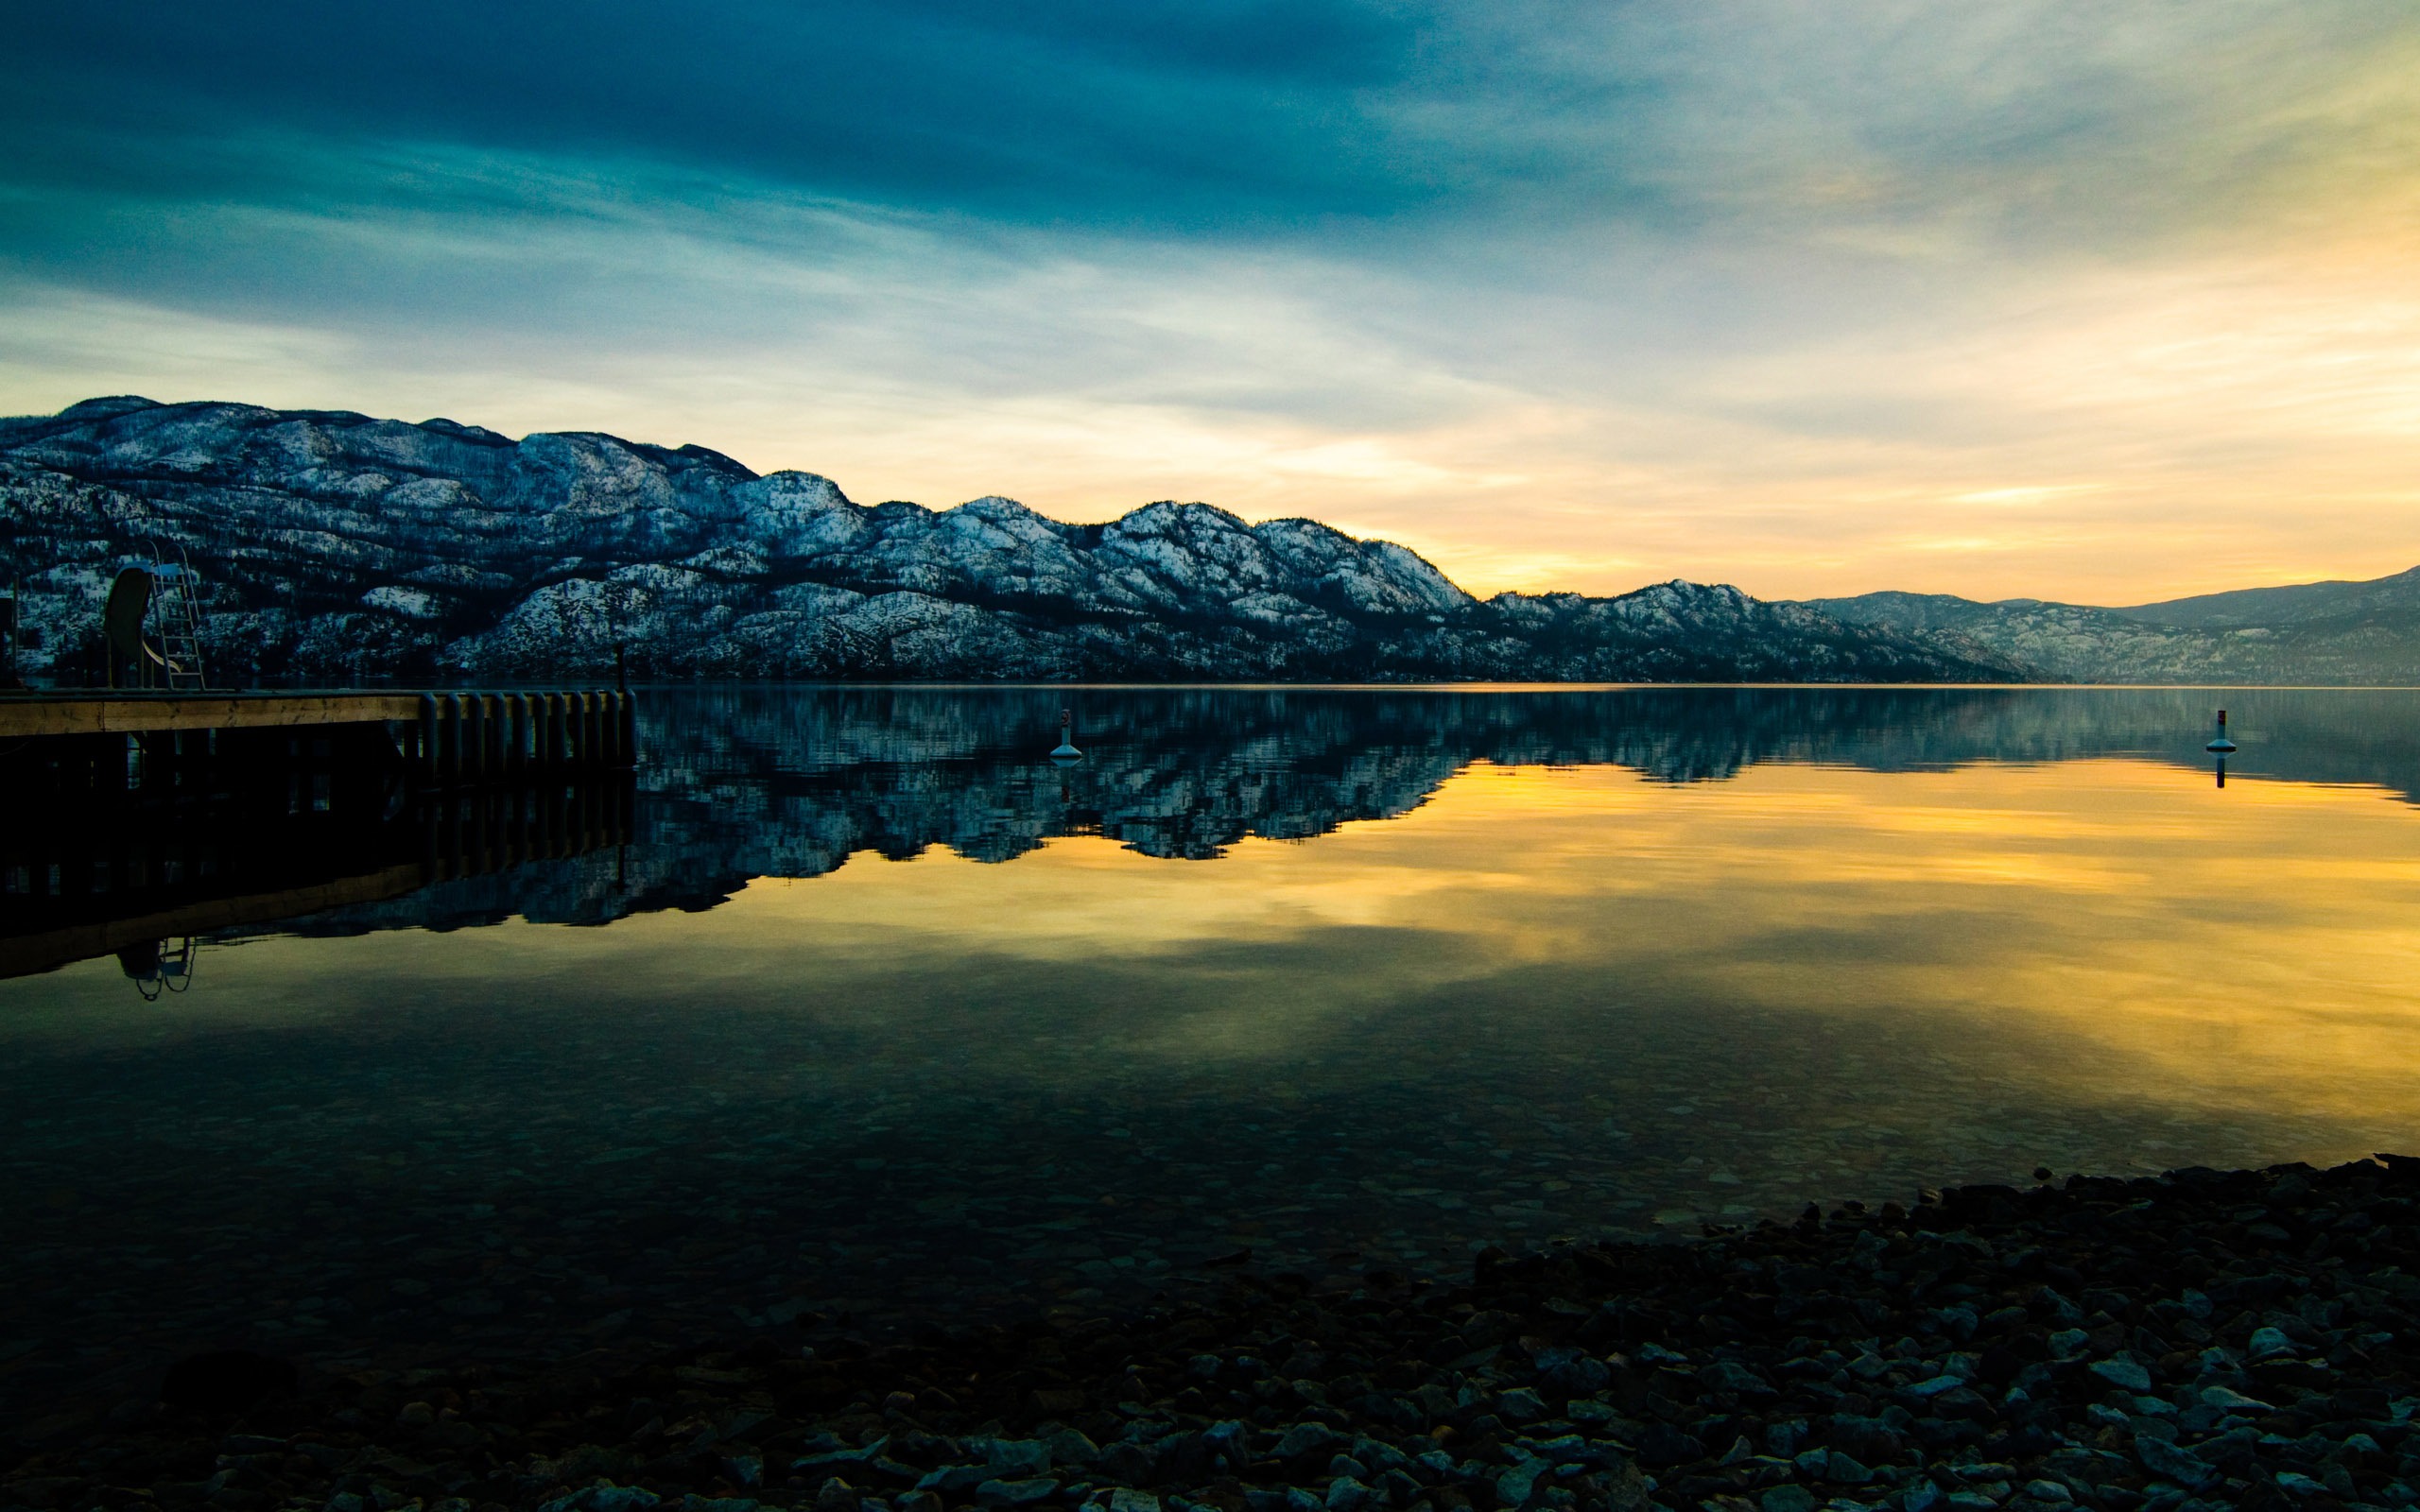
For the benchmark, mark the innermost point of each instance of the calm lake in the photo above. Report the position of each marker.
(879, 1017)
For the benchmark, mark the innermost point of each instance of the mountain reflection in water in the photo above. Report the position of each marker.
(746, 782)
(1624, 960)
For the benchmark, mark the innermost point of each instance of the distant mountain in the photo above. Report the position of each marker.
(2299, 605)
(337, 545)
(2315, 633)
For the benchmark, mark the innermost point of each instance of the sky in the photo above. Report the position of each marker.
(2108, 304)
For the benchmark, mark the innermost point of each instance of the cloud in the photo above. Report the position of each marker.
(1791, 295)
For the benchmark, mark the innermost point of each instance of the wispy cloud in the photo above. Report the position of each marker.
(2108, 304)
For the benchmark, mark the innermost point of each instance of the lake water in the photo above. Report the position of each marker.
(879, 1017)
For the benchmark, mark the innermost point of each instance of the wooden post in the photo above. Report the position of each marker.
(630, 741)
(450, 707)
(428, 760)
(516, 740)
(475, 738)
(492, 715)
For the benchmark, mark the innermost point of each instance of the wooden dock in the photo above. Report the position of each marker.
(449, 738)
(136, 818)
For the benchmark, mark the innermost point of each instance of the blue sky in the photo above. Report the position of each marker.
(2108, 302)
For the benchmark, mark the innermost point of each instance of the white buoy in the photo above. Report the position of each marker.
(2219, 743)
(1065, 750)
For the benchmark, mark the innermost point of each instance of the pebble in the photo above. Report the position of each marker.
(1777, 1368)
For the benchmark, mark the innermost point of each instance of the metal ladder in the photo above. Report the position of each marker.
(178, 599)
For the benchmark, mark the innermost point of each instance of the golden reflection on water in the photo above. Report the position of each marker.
(2109, 933)
(2258, 945)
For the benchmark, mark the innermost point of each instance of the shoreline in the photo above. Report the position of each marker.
(2198, 1339)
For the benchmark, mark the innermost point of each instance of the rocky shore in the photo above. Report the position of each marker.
(2203, 1339)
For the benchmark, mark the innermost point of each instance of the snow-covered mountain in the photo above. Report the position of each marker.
(337, 545)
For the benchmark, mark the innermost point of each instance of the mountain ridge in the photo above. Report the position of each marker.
(2356, 634)
(339, 545)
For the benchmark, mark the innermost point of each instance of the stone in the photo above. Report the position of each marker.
(1017, 1458)
(2123, 1372)
(1347, 1494)
(1520, 1405)
(2231, 1400)
(1513, 1487)
(2272, 1343)
(837, 1496)
(1307, 1439)
(1068, 1447)
(1663, 1445)
(1787, 1499)
(1017, 1493)
(1842, 1469)
(2172, 1462)
(1126, 1499)
(1730, 1375)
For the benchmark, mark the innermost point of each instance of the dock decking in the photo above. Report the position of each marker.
(448, 737)
(26, 715)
